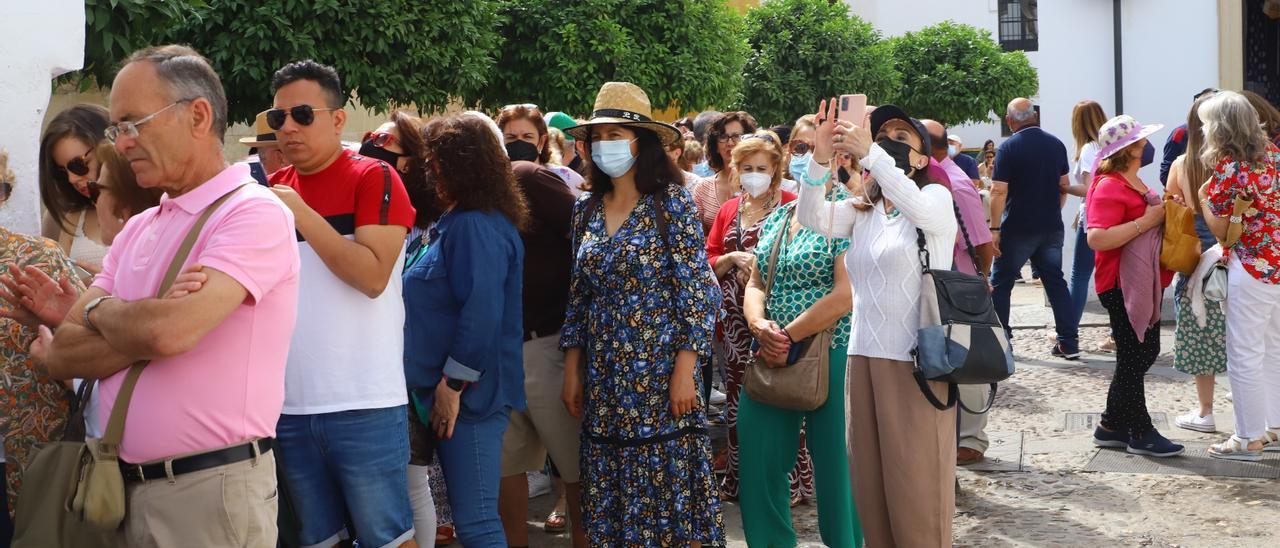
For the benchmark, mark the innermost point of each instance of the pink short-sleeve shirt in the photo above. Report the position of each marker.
(230, 387)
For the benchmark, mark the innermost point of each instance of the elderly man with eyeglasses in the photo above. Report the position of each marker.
(205, 363)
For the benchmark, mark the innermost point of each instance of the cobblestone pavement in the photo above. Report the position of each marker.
(1053, 501)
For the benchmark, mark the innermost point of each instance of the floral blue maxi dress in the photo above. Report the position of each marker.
(646, 475)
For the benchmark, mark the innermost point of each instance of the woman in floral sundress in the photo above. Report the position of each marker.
(641, 311)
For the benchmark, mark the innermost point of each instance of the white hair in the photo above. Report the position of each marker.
(1231, 129)
(497, 131)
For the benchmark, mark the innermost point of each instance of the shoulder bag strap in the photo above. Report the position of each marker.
(778, 243)
(924, 253)
(973, 255)
(384, 209)
(115, 425)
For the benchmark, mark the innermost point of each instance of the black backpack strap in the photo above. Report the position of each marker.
(385, 210)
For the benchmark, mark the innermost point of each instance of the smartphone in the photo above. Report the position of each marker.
(853, 108)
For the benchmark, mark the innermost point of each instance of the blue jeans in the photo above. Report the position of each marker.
(1081, 272)
(472, 464)
(1045, 252)
(352, 462)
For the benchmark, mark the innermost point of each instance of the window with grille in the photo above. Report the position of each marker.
(1018, 27)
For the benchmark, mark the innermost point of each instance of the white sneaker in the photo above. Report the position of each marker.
(539, 484)
(1193, 421)
(718, 397)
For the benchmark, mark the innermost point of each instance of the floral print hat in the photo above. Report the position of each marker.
(1120, 132)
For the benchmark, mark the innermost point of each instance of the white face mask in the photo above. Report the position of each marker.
(952, 151)
(613, 157)
(756, 183)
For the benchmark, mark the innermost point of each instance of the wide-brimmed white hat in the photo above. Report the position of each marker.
(1120, 132)
(625, 104)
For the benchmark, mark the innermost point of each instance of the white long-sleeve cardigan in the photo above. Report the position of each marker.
(883, 259)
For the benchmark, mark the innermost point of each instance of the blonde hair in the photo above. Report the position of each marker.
(6, 174)
(555, 143)
(808, 121)
(692, 154)
(760, 141)
(1193, 166)
(1086, 119)
(1231, 129)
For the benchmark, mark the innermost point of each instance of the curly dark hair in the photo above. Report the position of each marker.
(307, 69)
(716, 131)
(654, 169)
(471, 167)
(85, 123)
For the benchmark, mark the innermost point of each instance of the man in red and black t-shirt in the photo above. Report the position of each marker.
(343, 433)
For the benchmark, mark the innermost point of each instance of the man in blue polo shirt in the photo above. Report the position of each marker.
(1031, 170)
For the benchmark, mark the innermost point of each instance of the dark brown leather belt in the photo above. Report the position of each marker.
(194, 463)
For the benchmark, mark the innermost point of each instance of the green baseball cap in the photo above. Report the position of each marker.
(561, 121)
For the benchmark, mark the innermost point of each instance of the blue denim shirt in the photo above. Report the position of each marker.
(463, 314)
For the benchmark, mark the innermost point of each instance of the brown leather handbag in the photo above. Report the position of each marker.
(803, 385)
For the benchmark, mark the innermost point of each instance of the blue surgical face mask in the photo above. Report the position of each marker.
(613, 157)
(799, 166)
(952, 151)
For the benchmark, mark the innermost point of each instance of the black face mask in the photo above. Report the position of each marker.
(843, 175)
(380, 153)
(900, 152)
(518, 150)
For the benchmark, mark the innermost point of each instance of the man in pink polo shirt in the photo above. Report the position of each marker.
(972, 436)
(196, 440)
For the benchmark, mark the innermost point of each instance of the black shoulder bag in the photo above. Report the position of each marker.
(961, 339)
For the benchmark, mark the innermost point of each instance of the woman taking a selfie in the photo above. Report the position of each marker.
(903, 448)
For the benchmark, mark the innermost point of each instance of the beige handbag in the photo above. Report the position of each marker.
(803, 385)
(72, 501)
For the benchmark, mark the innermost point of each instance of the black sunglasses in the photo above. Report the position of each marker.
(800, 148)
(302, 114)
(78, 165)
(6, 188)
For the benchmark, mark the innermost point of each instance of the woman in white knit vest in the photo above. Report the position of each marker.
(902, 449)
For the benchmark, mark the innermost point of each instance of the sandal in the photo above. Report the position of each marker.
(445, 535)
(1272, 440)
(556, 522)
(1236, 448)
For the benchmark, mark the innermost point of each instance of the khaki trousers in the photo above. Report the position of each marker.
(973, 427)
(902, 452)
(229, 505)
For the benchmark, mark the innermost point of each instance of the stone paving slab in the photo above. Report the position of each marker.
(1086, 422)
(1004, 454)
(1194, 462)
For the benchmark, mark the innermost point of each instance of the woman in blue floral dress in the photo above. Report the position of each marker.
(641, 311)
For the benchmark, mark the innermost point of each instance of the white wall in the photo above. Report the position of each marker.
(1170, 52)
(41, 40)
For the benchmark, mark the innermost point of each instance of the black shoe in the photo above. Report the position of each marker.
(1066, 350)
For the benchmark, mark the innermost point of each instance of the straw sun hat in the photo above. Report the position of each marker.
(624, 103)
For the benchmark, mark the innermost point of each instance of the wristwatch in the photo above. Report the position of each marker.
(89, 308)
(457, 385)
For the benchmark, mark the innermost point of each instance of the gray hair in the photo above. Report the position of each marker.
(1022, 115)
(1231, 129)
(190, 76)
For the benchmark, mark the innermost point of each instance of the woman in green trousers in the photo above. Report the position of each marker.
(808, 293)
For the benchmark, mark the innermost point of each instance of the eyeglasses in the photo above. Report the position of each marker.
(731, 139)
(302, 114)
(95, 190)
(130, 129)
(800, 148)
(78, 165)
(378, 139)
(529, 106)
